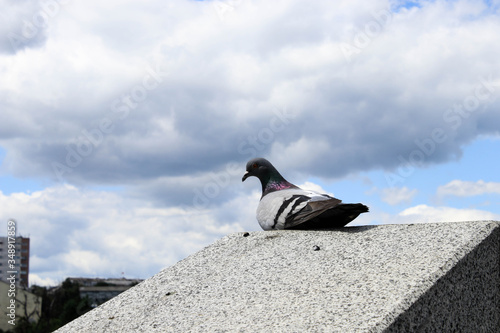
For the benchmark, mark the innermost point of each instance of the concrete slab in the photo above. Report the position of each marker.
(395, 278)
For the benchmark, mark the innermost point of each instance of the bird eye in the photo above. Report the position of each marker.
(254, 165)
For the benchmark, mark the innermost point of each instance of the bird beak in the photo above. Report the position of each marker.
(245, 176)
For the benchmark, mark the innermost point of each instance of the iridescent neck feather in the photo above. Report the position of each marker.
(276, 185)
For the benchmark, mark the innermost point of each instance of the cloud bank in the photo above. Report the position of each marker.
(186, 91)
(138, 118)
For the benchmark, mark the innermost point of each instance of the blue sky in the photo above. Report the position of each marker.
(477, 163)
(126, 126)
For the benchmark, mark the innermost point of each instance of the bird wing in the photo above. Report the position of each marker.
(310, 211)
(287, 208)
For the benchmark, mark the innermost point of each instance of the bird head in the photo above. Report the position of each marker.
(258, 167)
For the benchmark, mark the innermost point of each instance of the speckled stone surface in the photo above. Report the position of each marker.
(396, 278)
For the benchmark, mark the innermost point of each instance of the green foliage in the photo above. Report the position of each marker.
(59, 307)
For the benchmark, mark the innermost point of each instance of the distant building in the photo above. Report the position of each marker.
(23, 303)
(99, 295)
(91, 282)
(99, 290)
(21, 257)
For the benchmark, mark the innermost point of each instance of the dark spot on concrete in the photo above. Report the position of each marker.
(315, 248)
(271, 236)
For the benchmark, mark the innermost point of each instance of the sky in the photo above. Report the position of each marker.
(126, 126)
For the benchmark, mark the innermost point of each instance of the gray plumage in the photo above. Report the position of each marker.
(284, 205)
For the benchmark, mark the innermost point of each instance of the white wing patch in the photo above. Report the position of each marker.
(277, 206)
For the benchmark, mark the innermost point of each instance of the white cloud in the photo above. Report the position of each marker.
(23, 26)
(397, 195)
(463, 188)
(78, 232)
(261, 56)
(429, 214)
(314, 187)
(424, 214)
(220, 79)
(35, 279)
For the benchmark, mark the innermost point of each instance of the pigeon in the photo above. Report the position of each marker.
(284, 205)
